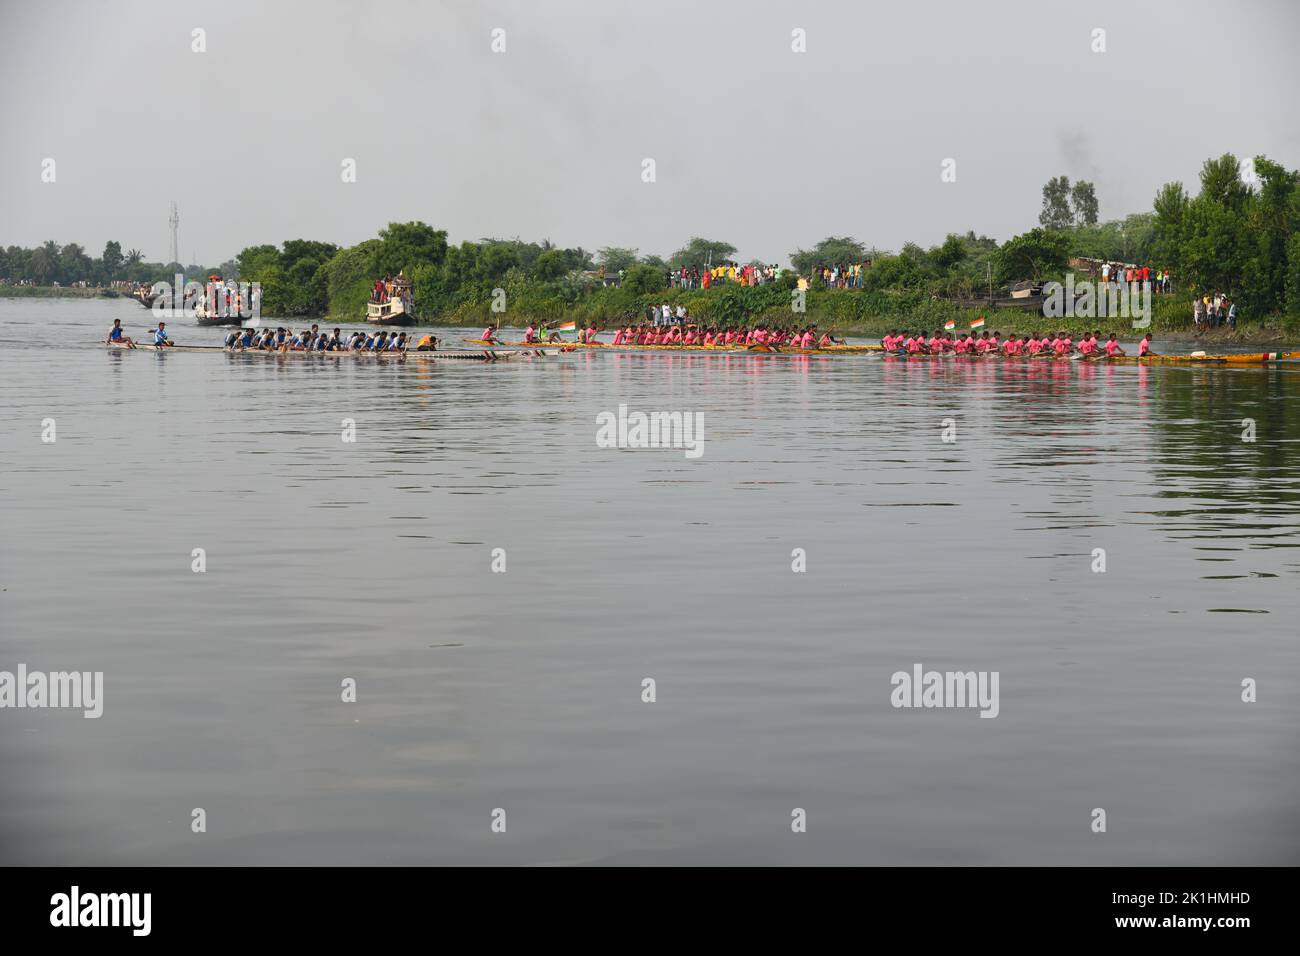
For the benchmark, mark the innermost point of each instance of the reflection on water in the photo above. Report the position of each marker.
(372, 560)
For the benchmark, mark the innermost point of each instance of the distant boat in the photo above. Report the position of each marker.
(202, 318)
(395, 304)
(231, 315)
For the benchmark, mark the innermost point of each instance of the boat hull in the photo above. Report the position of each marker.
(392, 312)
(1250, 358)
(486, 355)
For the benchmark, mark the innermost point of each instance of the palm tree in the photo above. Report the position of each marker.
(133, 256)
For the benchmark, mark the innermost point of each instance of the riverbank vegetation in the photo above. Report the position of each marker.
(1239, 234)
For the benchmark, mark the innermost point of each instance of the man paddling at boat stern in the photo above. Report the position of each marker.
(116, 337)
(160, 336)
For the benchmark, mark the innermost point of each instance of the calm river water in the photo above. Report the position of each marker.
(522, 691)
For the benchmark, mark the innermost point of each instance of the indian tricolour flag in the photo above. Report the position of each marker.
(566, 326)
(977, 323)
(949, 325)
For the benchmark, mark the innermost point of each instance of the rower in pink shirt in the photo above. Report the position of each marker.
(1011, 346)
(1060, 346)
(806, 340)
(1087, 346)
(1144, 347)
(489, 335)
(1112, 346)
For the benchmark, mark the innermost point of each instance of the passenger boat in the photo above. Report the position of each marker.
(218, 316)
(397, 305)
(202, 317)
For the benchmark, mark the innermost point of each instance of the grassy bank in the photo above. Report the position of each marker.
(51, 292)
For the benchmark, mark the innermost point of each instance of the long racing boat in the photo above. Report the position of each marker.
(484, 355)
(787, 350)
(1195, 358)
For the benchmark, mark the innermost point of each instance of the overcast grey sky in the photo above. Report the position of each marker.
(754, 144)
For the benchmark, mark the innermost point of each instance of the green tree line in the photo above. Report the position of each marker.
(51, 263)
(1240, 234)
